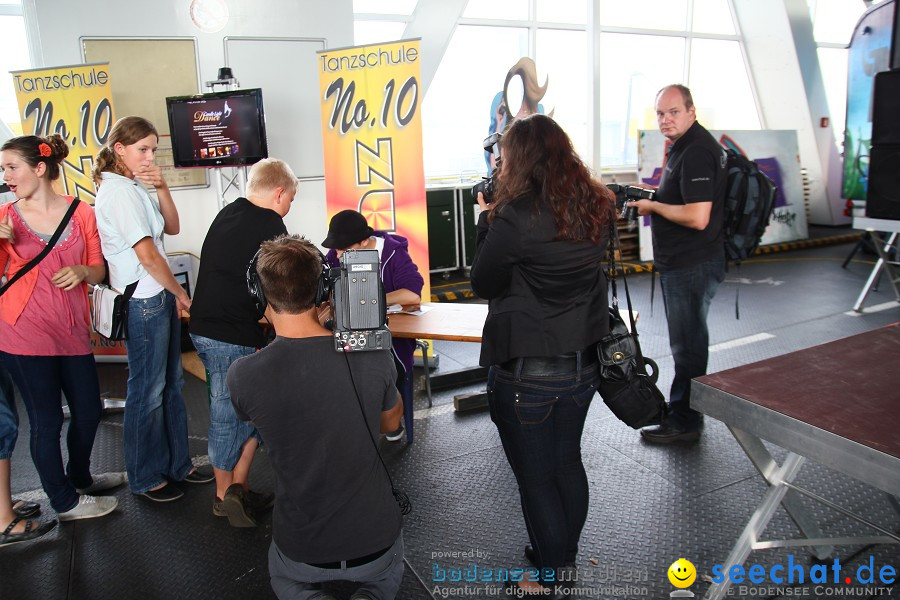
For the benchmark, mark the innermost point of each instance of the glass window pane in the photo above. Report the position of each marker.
(720, 86)
(374, 32)
(833, 64)
(13, 57)
(713, 16)
(629, 89)
(561, 58)
(562, 11)
(385, 7)
(834, 20)
(647, 14)
(456, 112)
(497, 9)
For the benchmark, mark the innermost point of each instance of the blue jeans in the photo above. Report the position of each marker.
(40, 380)
(687, 294)
(9, 416)
(227, 433)
(156, 443)
(380, 578)
(540, 420)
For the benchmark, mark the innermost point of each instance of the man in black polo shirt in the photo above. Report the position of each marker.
(686, 219)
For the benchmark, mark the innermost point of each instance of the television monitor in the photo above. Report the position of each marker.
(219, 129)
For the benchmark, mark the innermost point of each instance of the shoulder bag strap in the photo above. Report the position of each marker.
(53, 239)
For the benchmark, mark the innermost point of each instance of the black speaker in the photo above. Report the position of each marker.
(883, 198)
(886, 108)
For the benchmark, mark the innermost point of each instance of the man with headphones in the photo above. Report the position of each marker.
(225, 326)
(319, 412)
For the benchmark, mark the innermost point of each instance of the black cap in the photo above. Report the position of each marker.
(347, 228)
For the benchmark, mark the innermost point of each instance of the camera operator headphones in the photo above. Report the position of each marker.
(254, 287)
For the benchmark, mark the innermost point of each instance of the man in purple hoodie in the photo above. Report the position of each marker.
(348, 230)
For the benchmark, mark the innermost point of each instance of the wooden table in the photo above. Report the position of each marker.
(443, 321)
(835, 403)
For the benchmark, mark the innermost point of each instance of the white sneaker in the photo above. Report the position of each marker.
(395, 436)
(89, 507)
(103, 482)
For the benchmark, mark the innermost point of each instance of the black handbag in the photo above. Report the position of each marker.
(626, 386)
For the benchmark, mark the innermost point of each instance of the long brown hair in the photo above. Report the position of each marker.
(50, 150)
(539, 160)
(126, 131)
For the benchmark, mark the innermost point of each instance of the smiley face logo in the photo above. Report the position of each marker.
(682, 573)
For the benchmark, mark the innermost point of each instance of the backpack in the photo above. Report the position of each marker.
(749, 203)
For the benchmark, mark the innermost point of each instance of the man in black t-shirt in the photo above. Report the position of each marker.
(686, 219)
(225, 326)
(320, 412)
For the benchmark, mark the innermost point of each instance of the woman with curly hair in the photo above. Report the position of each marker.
(45, 323)
(538, 259)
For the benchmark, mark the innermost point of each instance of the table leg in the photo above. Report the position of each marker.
(758, 521)
(883, 249)
(766, 465)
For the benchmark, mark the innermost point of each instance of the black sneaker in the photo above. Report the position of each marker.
(198, 476)
(666, 434)
(236, 507)
(167, 493)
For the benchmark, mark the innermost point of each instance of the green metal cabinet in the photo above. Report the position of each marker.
(443, 252)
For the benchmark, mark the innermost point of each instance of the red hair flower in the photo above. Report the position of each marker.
(44, 149)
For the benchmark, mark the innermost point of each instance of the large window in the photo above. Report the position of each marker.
(13, 57)
(644, 45)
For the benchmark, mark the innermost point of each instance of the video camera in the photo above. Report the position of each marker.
(624, 193)
(358, 303)
(491, 145)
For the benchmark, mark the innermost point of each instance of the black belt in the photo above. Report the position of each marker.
(562, 364)
(353, 562)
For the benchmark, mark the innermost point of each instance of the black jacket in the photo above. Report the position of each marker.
(547, 297)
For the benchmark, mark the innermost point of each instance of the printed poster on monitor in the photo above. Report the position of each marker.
(75, 102)
(372, 139)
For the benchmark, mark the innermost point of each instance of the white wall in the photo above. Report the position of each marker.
(56, 26)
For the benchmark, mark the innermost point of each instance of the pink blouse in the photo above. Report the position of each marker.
(54, 322)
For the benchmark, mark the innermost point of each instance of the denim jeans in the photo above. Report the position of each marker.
(540, 420)
(380, 578)
(9, 416)
(687, 294)
(227, 433)
(156, 444)
(40, 380)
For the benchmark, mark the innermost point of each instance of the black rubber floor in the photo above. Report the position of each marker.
(649, 505)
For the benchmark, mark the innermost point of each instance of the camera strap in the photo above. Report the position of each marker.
(612, 268)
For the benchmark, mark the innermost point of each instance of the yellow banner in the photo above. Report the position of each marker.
(372, 139)
(76, 103)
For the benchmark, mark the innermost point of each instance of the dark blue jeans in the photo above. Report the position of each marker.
(40, 380)
(687, 294)
(540, 420)
(156, 442)
(9, 416)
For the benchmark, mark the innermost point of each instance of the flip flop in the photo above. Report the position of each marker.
(7, 538)
(25, 509)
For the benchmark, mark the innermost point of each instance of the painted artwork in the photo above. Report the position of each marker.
(870, 49)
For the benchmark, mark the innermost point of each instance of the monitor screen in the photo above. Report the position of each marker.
(218, 129)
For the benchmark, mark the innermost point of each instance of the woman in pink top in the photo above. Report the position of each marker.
(45, 324)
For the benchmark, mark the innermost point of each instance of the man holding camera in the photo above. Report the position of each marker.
(225, 326)
(349, 230)
(319, 412)
(686, 219)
